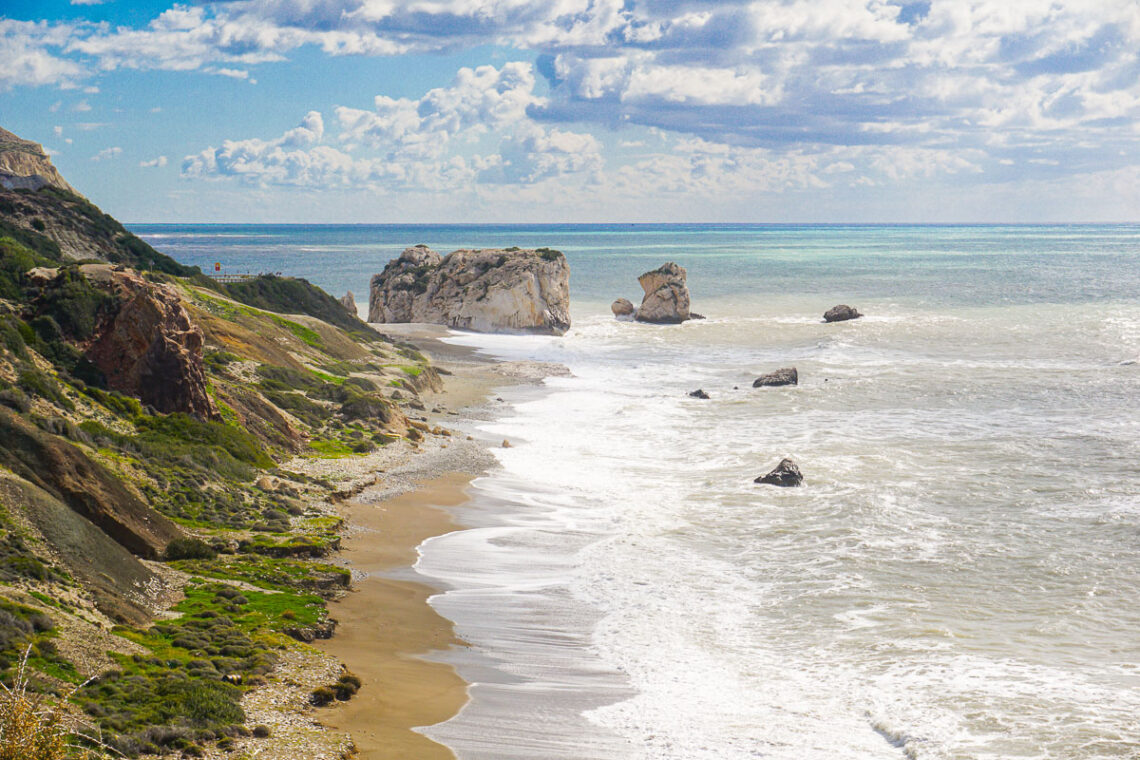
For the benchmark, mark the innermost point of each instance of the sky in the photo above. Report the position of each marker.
(437, 111)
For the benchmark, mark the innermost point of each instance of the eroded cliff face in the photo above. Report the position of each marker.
(491, 290)
(87, 487)
(150, 348)
(25, 166)
(145, 343)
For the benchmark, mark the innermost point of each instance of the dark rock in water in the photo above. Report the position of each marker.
(783, 376)
(622, 308)
(694, 315)
(698, 393)
(785, 474)
(841, 313)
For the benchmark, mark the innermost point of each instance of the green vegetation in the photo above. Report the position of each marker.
(186, 692)
(73, 303)
(22, 627)
(188, 548)
(123, 247)
(549, 254)
(297, 296)
(277, 573)
(16, 259)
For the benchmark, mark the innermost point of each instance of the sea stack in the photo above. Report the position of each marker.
(348, 301)
(666, 295)
(490, 290)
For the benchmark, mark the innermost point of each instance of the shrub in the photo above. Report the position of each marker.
(14, 398)
(189, 548)
(29, 729)
(286, 378)
(322, 695)
(262, 732)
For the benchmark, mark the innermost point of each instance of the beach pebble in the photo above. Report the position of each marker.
(506, 444)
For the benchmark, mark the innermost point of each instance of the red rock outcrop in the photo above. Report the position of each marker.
(148, 347)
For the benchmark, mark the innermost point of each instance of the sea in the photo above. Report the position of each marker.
(958, 578)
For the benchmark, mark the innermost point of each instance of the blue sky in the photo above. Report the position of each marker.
(583, 110)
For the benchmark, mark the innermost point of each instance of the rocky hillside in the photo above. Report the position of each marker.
(157, 534)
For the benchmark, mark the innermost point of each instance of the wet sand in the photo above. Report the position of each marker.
(383, 624)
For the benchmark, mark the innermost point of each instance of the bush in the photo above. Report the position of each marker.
(322, 696)
(286, 378)
(29, 729)
(189, 548)
(262, 732)
(14, 398)
(74, 303)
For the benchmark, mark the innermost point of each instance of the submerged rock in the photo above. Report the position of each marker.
(841, 313)
(490, 290)
(785, 474)
(783, 376)
(666, 295)
(622, 308)
(699, 393)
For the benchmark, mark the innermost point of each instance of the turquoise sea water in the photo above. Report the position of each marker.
(959, 577)
(923, 264)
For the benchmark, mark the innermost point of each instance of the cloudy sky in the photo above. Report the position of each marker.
(583, 110)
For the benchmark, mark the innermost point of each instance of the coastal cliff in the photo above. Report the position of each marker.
(167, 499)
(25, 166)
(492, 290)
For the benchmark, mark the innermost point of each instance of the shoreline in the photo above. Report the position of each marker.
(385, 625)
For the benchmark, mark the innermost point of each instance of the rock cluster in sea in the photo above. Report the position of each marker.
(490, 290)
(666, 299)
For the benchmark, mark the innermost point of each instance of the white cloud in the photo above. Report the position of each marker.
(231, 73)
(476, 130)
(81, 107)
(154, 162)
(88, 2)
(971, 82)
(25, 59)
(107, 154)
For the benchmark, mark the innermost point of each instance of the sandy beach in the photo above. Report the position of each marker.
(385, 624)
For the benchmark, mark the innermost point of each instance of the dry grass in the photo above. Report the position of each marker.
(33, 729)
